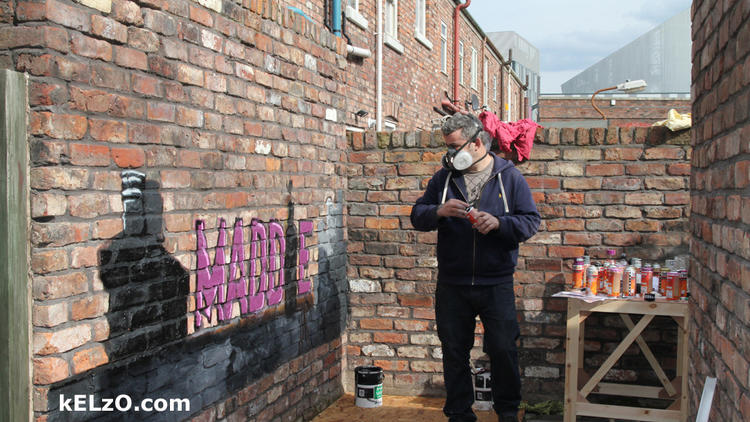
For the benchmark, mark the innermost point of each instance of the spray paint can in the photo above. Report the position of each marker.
(672, 286)
(646, 276)
(578, 275)
(628, 281)
(656, 279)
(471, 214)
(683, 284)
(615, 282)
(592, 279)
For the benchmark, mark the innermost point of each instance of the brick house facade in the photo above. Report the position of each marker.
(413, 76)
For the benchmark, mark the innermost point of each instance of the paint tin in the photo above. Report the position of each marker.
(369, 386)
(482, 389)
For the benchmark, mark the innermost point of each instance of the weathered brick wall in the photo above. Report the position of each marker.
(621, 188)
(413, 82)
(720, 207)
(625, 112)
(232, 113)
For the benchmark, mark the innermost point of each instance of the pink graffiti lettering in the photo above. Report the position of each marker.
(255, 289)
(305, 284)
(209, 279)
(276, 270)
(258, 282)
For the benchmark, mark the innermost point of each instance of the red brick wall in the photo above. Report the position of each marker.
(625, 112)
(720, 207)
(413, 82)
(620, 188)
(231, 111)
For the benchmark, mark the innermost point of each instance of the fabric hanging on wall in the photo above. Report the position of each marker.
(519, 134)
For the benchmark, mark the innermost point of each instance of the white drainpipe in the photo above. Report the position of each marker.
(379, 70)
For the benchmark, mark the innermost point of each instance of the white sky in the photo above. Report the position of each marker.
(572, 35)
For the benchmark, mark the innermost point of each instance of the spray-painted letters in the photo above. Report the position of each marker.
(252, 288)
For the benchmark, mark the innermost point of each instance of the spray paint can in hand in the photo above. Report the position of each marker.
(472, 214)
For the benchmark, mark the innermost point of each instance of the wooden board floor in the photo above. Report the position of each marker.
(394, 409)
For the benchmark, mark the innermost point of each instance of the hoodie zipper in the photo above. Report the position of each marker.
(474, 251)
(474, 233)
(474, 243)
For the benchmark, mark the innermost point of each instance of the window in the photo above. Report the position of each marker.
(473, 68)
(461, 62)
(420, 23)
(485, 82)
(443, 47)
(352, 13)
(494, 88)
(391, 18)
(390, 31)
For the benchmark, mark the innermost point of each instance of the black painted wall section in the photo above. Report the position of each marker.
(151, 355)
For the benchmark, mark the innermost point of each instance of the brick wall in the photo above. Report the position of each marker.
(621, 188)
(720, 204)
(413, 82)
(231, 113)
(625, 112)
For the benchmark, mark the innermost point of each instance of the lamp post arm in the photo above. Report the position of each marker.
(594, 105)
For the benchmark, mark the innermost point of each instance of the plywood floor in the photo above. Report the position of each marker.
(394, 409)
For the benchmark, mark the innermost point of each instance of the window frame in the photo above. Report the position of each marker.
(352, 13)
(390, 26)
(420, 23)
(485, 80)
(443, 47)
(494, 87)
(473, 70)
(461, 62)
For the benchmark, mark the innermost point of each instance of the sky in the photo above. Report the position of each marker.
(572, 35)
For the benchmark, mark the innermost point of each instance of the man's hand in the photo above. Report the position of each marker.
(452, 208)
(486, 222)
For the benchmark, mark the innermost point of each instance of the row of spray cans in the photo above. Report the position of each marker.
(620, 279)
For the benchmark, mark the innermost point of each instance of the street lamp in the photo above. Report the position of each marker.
(627, 87)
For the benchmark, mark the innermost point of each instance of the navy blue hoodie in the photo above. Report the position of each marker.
(465, 256)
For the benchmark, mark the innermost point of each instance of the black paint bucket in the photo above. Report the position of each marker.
(368, 382)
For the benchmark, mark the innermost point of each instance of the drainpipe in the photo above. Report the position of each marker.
(336, 18)
(379, 69)
(456, 17)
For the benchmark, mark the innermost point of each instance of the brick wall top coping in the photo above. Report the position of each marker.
(656, 135)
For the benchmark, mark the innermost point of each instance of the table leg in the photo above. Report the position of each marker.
(572, 363)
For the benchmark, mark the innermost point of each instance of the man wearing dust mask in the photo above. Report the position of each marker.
(483, 209)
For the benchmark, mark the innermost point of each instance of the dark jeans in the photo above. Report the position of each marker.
(456, 308)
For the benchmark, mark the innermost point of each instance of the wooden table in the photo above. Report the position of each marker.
(579, 384)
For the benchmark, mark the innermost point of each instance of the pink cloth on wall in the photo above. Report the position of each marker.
(520, 134)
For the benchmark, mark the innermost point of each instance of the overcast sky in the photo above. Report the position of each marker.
(572, 35)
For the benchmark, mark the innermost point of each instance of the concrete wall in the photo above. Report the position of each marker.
(720, 207)
(217, 274)
(621, 188)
